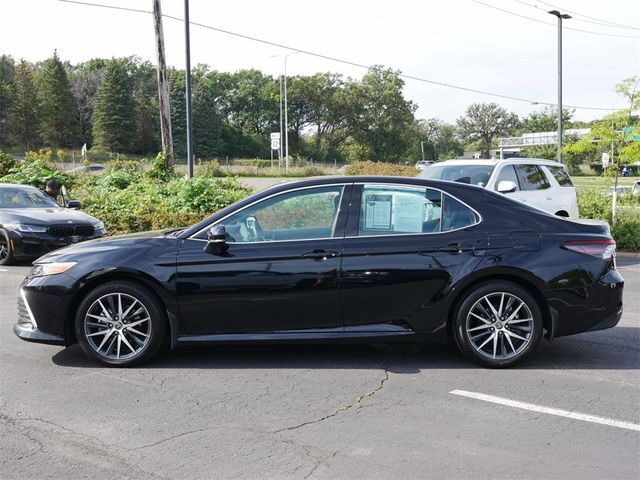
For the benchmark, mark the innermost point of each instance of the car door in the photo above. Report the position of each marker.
(280, 271)
(534, 187)
(405, 247)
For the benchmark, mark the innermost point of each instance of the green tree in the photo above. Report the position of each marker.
(440, 140)
(384, 118)
(484, 121)
(23, 117)
(207, 126)
(145, 94)
(545, 120)
(114, 117)
(59, 118)
(178, 111)
(7, 68)
(85, 80)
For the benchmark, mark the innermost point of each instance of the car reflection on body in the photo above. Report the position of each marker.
(32, 224)
(334, 259)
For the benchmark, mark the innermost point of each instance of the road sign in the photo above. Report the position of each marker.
(275, 136)
(275, 144)
(605, 160)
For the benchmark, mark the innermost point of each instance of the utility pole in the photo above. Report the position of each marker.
(561, 16)
(422, 148)
(163, 84)
(280, 149)
(286, 116)
(188, 90)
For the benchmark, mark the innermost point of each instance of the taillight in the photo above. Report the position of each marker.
(604, 249)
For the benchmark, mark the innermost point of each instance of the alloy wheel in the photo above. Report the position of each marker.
(4, 248)
(499, 326)
(117, 326)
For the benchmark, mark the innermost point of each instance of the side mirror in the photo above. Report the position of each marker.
(74, 204)
(507, 186)
(216, 240)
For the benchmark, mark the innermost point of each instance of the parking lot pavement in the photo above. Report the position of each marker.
(323, 411)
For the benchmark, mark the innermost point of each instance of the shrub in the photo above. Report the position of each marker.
(161, 169)
(123, 164)
(121, 178)
(36, 172)
(626, 229)
(211, 169)
(381, 168)
(7, 162)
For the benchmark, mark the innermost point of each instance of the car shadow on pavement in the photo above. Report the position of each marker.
(592, 351)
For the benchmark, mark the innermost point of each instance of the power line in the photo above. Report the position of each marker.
(335, 59)
(592, 20)
(552, 24)
(477, 44)
(622, 25)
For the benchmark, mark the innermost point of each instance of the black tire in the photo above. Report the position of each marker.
(499, 340)
(131, 348)
(6, 252)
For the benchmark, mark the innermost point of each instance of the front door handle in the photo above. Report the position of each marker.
(320, 255)
(453, 248)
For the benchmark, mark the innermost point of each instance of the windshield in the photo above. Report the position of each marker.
(11, 197)
(473, 174)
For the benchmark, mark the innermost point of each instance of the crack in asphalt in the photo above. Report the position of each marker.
(356, 404)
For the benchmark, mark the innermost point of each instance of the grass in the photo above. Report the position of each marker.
(602, 183)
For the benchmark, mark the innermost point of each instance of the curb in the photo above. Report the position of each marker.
(635, 255)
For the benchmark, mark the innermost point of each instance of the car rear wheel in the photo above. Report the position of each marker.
(6, 252)
(120, 324)
(499, 324)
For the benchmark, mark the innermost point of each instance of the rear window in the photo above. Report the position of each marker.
(561, 176)
(473, 174)
(531, 177)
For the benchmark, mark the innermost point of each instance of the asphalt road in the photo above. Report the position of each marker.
(323, 411)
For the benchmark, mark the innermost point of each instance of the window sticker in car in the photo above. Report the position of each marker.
(377, 213)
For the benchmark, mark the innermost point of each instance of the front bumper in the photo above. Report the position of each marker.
(37, 336)
(34, 245)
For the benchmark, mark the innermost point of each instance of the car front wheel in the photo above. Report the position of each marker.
(6, 252)
(499, 324)
(120, 324)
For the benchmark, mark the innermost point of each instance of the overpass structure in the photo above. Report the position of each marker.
(515, 144)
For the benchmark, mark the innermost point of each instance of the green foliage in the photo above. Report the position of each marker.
(121, 178)
(210, 169)
(23, 117)
(59, 117)
(485, 121)
(597, 205)
(545, 120)
(161, 168)
(114, 117)
(35, 172)
(381, 168)
(7, 69)
(7, 162)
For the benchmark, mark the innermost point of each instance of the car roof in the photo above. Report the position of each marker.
(497, 161)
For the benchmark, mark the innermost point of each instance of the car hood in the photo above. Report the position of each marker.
(45, 216)
(105, 245)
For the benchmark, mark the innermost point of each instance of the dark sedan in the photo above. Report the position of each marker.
(368, 259)
(32, 224)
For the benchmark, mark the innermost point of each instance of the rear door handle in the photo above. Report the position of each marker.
(320, 255)
(453, 248)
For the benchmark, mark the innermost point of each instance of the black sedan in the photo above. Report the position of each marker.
(368, 259)
(32, 224)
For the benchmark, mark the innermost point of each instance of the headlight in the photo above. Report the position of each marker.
(24, 227)
(99, 226)
(44, 269)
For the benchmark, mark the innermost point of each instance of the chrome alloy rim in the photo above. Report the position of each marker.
(117, 326)
(499, 326)
(4, 247)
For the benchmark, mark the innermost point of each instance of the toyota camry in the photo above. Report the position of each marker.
(342, 259)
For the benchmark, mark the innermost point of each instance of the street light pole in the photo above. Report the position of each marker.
(280, 147)
(286, 116)
(188, 90)
(560, 16)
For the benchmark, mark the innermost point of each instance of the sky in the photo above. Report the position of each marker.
(459, 42)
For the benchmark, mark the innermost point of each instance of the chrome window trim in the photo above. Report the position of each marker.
(343, 185)
(416, 187)
(406, 185)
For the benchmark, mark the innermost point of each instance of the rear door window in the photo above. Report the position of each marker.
(561, 176)
(531, 177)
